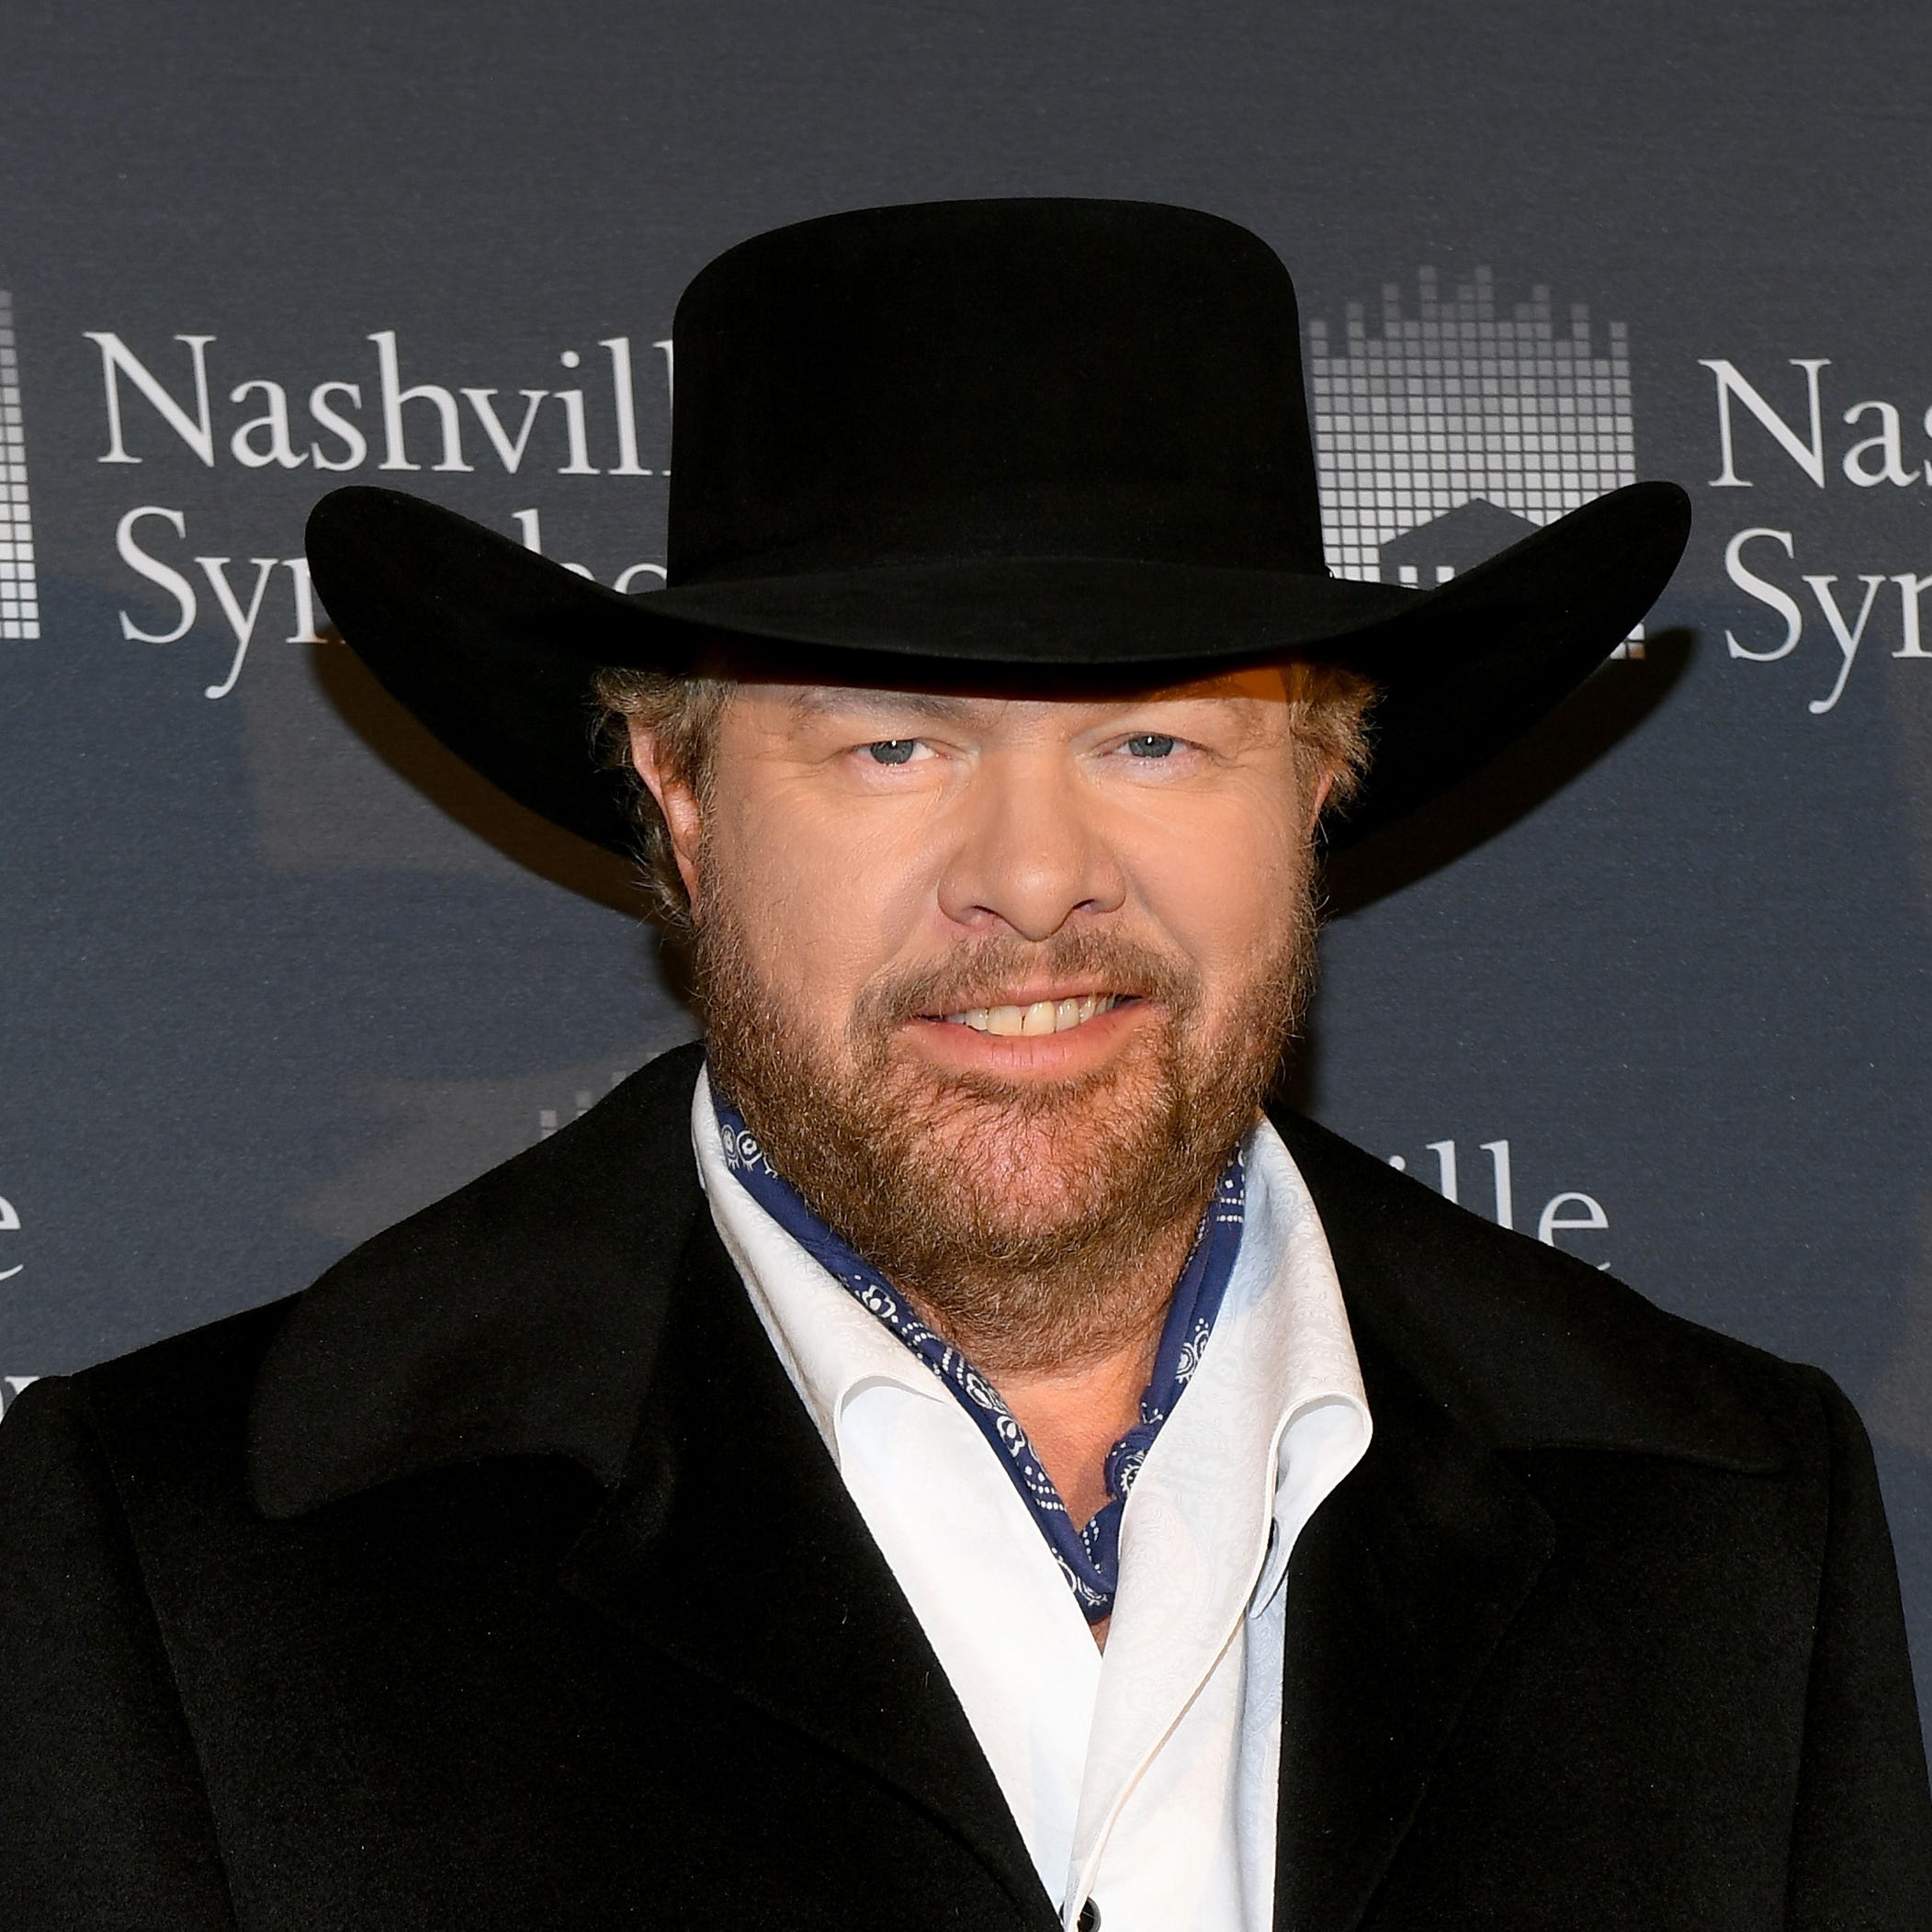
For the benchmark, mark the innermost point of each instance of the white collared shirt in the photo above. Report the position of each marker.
(1144, 1777)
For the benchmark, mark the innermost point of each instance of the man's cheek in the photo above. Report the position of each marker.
(828, 969)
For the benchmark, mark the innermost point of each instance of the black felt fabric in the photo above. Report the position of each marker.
(424, 1600)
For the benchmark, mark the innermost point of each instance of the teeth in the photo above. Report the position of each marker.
(1043, 1016)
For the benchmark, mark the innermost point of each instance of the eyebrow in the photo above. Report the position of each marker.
(826, 700)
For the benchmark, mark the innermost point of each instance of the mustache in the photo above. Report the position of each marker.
(978, 974)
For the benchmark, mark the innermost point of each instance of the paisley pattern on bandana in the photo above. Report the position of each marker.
(1088, 1556)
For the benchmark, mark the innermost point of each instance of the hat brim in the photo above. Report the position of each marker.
(494, 647)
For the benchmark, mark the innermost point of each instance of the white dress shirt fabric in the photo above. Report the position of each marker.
(1144, 1777)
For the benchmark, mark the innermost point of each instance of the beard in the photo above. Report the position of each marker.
(1038, 1224)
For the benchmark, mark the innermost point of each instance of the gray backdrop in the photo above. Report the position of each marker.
(276, 972)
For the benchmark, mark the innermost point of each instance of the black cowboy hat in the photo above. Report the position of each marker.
(995, 438)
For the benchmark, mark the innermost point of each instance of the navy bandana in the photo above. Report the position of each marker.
(1089, 1557)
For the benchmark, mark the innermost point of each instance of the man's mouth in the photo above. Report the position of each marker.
(1043, 1016)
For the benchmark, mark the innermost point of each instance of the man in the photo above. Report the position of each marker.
(944, 1453)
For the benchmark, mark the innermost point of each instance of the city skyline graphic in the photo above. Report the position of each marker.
(19, 601)
(1443, 435)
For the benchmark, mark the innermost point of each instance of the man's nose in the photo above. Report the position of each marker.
(1027, 851)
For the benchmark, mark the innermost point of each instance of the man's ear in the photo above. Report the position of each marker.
(676, 801)
(1323, 785)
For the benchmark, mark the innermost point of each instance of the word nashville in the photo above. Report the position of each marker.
(1762, 560)
(377, 421)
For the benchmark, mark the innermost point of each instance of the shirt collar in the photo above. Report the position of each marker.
(1298, 1371)
(830, 1346)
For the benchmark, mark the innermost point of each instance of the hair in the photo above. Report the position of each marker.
(679, 710)
(1328, 711)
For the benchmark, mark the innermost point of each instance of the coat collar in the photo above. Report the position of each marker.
(1523, 1346)
(576, 1302)
(522, 1314)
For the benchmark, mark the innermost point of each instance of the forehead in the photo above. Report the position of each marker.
(983, 698)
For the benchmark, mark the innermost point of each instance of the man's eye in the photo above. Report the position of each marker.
(1151, 744)
(892, 751)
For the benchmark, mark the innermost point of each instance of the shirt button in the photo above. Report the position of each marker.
(1089, 1918)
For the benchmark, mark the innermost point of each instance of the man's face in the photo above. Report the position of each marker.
(999, 979)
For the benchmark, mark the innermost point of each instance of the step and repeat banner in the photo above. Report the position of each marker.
(276, 971)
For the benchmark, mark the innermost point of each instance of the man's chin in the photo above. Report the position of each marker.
(1030, 1179)
(1025, 1159)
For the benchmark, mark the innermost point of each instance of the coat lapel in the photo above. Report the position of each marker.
(1471, 1343)
(1403, 1584)
(733, 1548)
(576, 1302)
(1398, 1593)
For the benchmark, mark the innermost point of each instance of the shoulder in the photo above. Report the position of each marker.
(1536, 1346)
(82, 1454)
(509, 1299)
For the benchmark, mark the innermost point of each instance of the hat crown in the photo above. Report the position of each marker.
(961, 380)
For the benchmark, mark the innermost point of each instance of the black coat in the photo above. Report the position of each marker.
(500, 1580)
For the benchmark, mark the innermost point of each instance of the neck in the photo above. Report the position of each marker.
(1074, 1379)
